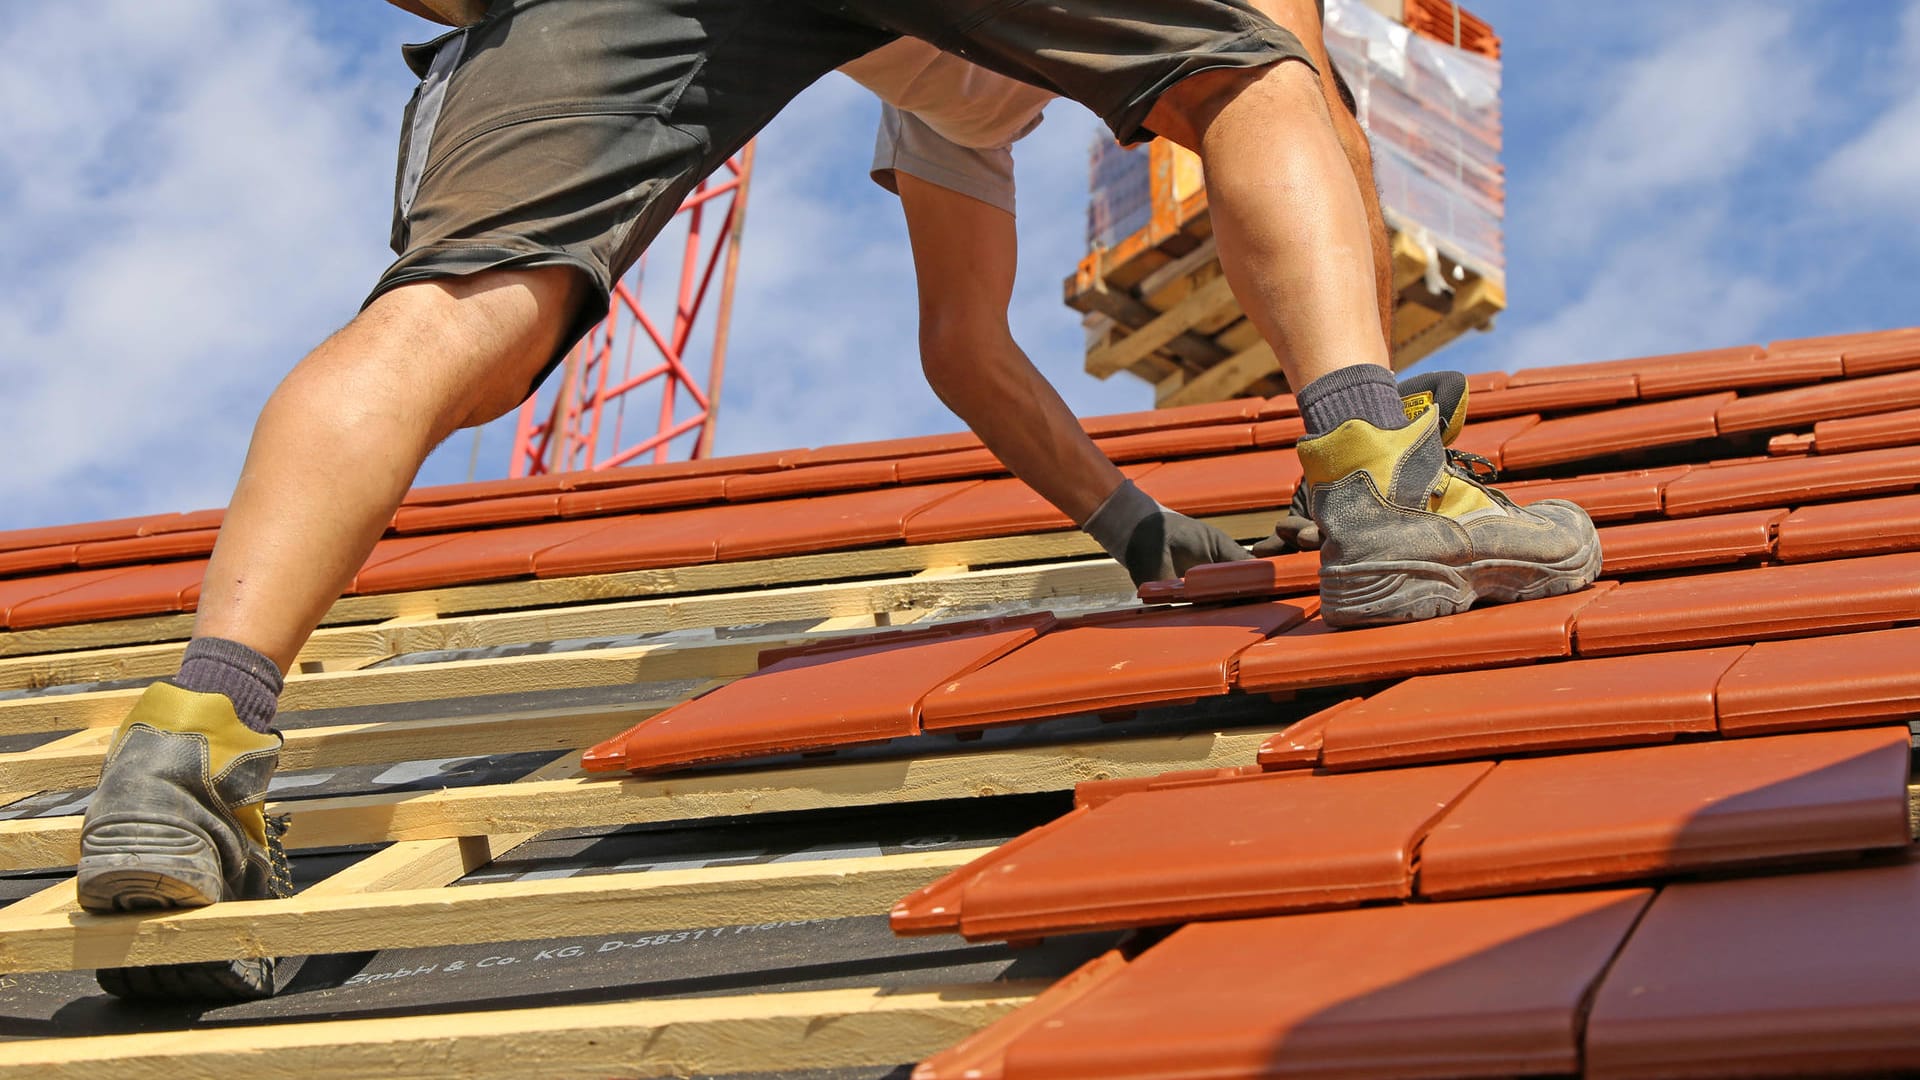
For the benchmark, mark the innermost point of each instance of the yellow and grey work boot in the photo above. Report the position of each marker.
(178, 821)
(1443, 390)
(1408, 533)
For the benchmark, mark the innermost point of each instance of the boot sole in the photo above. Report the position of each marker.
(1386, 593)
(146, 866)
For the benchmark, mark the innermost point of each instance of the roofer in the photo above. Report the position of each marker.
(547, 144)
(944, 146)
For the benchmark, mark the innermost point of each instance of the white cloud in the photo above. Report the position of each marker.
(192, 194)
(1878, 171)
(1685, 116)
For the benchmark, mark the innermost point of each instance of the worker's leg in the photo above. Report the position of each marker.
(547, 145)
(964, 253)
(340, 440)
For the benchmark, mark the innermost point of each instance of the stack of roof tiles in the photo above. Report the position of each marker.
(1657, 827)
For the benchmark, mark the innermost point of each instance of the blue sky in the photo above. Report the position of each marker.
(193, 193)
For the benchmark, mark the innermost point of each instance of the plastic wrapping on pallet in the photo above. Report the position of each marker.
(1432, 112)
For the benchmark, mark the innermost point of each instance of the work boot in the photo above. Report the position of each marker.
(1445, 390)
(1408, 532)
(178, 821)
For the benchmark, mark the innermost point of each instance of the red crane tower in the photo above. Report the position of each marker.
(578, 420)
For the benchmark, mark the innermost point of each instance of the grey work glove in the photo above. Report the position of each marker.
(1153, 542)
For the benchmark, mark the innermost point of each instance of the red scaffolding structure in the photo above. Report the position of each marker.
(578, 420)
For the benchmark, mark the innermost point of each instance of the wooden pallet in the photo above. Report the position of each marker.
(1158, 305)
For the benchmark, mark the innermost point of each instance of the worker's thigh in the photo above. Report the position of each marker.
(1114, 56)
(566, 132)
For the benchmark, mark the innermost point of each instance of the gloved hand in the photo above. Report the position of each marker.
(1153, 542)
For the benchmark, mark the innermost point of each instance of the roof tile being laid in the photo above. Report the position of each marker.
(1177, 442)
(1584, 819)
(980, 1056)
(660, 495)
(159, 589)
(1827, 401)
(520, 509)
(1847, 529)
(1793, 975)
(810, 480)
(1553, 397)
(1251, 579)
(1249, 846)
(1822, 682)
(1201, 486)
(1110, 663)
(1699, 541)
(994, 508)
(1869, 432)
(1610, 497)
(1483, 988)
(866, 694)
(1617, 701)
(1747, 605)
(1788, 481)
(1490, 438)
(1880, 359)
(484, 555)
(1715, 359)
(1313, 655)
(1613, 431)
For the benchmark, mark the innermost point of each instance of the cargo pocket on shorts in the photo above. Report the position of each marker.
(434, 63)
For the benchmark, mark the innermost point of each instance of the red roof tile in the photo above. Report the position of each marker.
(690, 491)
(38, 560)
(1582, 819)
(1708, 359)
(993, 508)
(1822, 682)
(484, 555)
(828, 699)
(1608, 497)
(810, 480)
(479, 513)
(979, 1056)
(1553, 396)
(1827, 401)
(1482, 637)
(1280, 575)
(1624, 700)
(1178, 442)
(62, 535)
(1795, 975)
(1212, 412)
(1701, 541)
(159, 589)
(1839, 530)
(1878, 359)
(1150, 658)
(1749, 605)
(1486, 988)
(1869, 432)
(1770, 483)
(1281, 842)
(1490, 438)
(1613, 431)
(1203, 486)
(1298, 746)
(827, 522)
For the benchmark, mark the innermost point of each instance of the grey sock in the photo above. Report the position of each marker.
(1357, 392)
(250, 680)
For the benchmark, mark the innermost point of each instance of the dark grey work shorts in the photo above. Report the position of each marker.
(566, 132)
